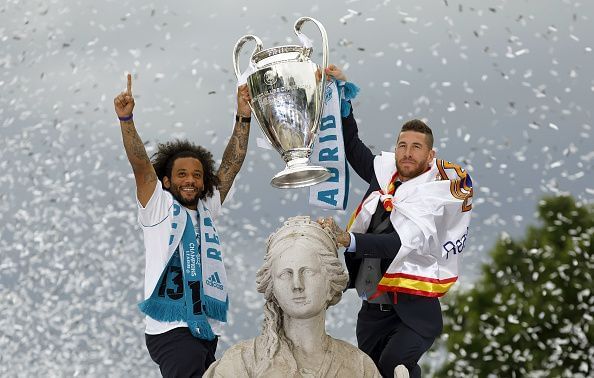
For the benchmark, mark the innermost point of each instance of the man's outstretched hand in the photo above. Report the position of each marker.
(343, 238)
(124, 102)
(333, 71)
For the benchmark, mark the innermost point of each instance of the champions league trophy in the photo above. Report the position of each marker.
(287, 91)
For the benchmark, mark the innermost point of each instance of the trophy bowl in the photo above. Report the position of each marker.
(287, 91)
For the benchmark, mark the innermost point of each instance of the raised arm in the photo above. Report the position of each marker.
(144, 173)
(236, 149)
(357, 153)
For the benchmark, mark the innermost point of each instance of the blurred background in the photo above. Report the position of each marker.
(507, 87)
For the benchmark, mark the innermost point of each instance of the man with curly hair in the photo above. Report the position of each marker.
(179, 197)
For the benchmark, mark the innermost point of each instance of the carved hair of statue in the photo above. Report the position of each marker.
(294, 230)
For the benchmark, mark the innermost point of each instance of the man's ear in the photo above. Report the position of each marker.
(431, 155)
(166, 182)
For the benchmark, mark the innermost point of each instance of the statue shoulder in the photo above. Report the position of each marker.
(354, 359)
(237, 361)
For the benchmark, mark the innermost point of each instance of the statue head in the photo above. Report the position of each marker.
(301, 277)
(301, 257)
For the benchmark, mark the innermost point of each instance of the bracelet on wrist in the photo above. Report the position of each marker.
(242, 119)
(126, 118)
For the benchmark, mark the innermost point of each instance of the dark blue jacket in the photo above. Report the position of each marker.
(422, 314)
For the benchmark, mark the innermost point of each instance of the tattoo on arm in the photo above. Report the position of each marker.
(150, 177)
(136, 152)
(233, 157)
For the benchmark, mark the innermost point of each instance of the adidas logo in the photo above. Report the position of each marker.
(215, 281)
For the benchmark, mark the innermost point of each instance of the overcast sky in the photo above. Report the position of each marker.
(507, 87)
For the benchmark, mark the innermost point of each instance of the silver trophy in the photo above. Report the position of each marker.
(287, 91)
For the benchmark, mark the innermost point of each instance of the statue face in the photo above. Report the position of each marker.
(300, 285)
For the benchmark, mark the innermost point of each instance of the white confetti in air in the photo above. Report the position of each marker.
(348, 16)
(576, 176)
(588, 157)
(68, 208)
(522, 52)
(556, 164)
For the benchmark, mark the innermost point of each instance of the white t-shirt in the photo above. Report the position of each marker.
(155, 220)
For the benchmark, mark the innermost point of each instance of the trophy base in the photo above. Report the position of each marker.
(299, 176)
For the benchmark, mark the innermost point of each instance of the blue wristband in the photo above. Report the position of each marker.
(126, 118)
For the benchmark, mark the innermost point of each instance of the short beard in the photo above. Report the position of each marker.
(176, 193)
(417, 171)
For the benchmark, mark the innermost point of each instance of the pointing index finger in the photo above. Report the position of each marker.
(129, 89)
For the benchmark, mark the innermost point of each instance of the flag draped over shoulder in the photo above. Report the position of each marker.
(431, 214)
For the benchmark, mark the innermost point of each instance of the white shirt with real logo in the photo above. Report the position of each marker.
(155, 220)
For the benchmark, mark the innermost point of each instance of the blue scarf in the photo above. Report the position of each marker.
(179, 294)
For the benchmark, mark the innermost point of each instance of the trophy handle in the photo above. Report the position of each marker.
(298, 24)
(237, 49)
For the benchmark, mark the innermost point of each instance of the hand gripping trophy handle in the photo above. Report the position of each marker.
(287, 98)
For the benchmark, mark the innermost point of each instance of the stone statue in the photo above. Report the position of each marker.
(300, 278)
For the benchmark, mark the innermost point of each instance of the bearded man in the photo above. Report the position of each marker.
(403, 242)
(179, 195)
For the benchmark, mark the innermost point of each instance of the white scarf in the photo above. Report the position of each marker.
(213, 268)
(328, 151)
(200, 259)
(432, 216)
